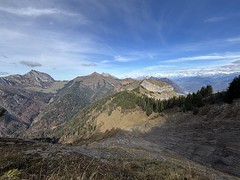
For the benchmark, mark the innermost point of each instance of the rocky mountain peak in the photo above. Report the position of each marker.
(39, 76)
(95, 74)
(97, 80)
(31, 79)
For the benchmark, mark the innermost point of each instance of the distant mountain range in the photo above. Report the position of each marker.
(219, 82)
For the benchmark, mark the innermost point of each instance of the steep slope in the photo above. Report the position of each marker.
(119, 111)
(10, 126)
(22, 106)
(210, 138)
(76, 94)
(23, 97)
(27, 96)
(107, 114)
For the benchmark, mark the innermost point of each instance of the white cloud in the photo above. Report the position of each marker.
(134, 56)
(30, 11)
(105, 61)
(8, 34)
(119, 58)
(157, 67)
(236, 39)
(215, 19)
(226, 56)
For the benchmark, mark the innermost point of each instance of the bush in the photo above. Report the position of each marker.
(195, 111)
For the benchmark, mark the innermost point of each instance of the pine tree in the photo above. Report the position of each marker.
(149, 111)
(160, 106)
(233, 91)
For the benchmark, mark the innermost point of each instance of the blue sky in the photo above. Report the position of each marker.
(126, 38)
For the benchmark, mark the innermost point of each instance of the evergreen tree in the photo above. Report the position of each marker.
(188, 104)
(198, 100)
(149, 111)
(233, 91)
(206, 91)
(209, 90)
(160, 106)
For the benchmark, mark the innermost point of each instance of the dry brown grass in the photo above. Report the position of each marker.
(129, 121)
(53, 162)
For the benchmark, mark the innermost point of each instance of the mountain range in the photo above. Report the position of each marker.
(105, 115)
(219, 82)
(38, 104)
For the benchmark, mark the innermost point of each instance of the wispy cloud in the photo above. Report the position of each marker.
(8, 34)
(89, 64)
(30, 11)
(119, 58)
(236, 39)
(134, 56)
(226, 56)
(215, 19)
(142, 37)
(105, 61)
(157, 67)
(30, 63)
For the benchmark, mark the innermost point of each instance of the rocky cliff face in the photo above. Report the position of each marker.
(150, 87)
(156, 88)
(175, 86)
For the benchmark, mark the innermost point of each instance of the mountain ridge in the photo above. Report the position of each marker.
(32, 78)
(84, 90)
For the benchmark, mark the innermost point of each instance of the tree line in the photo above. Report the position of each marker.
(192, 102)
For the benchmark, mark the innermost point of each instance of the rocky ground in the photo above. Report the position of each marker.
(126, 158)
